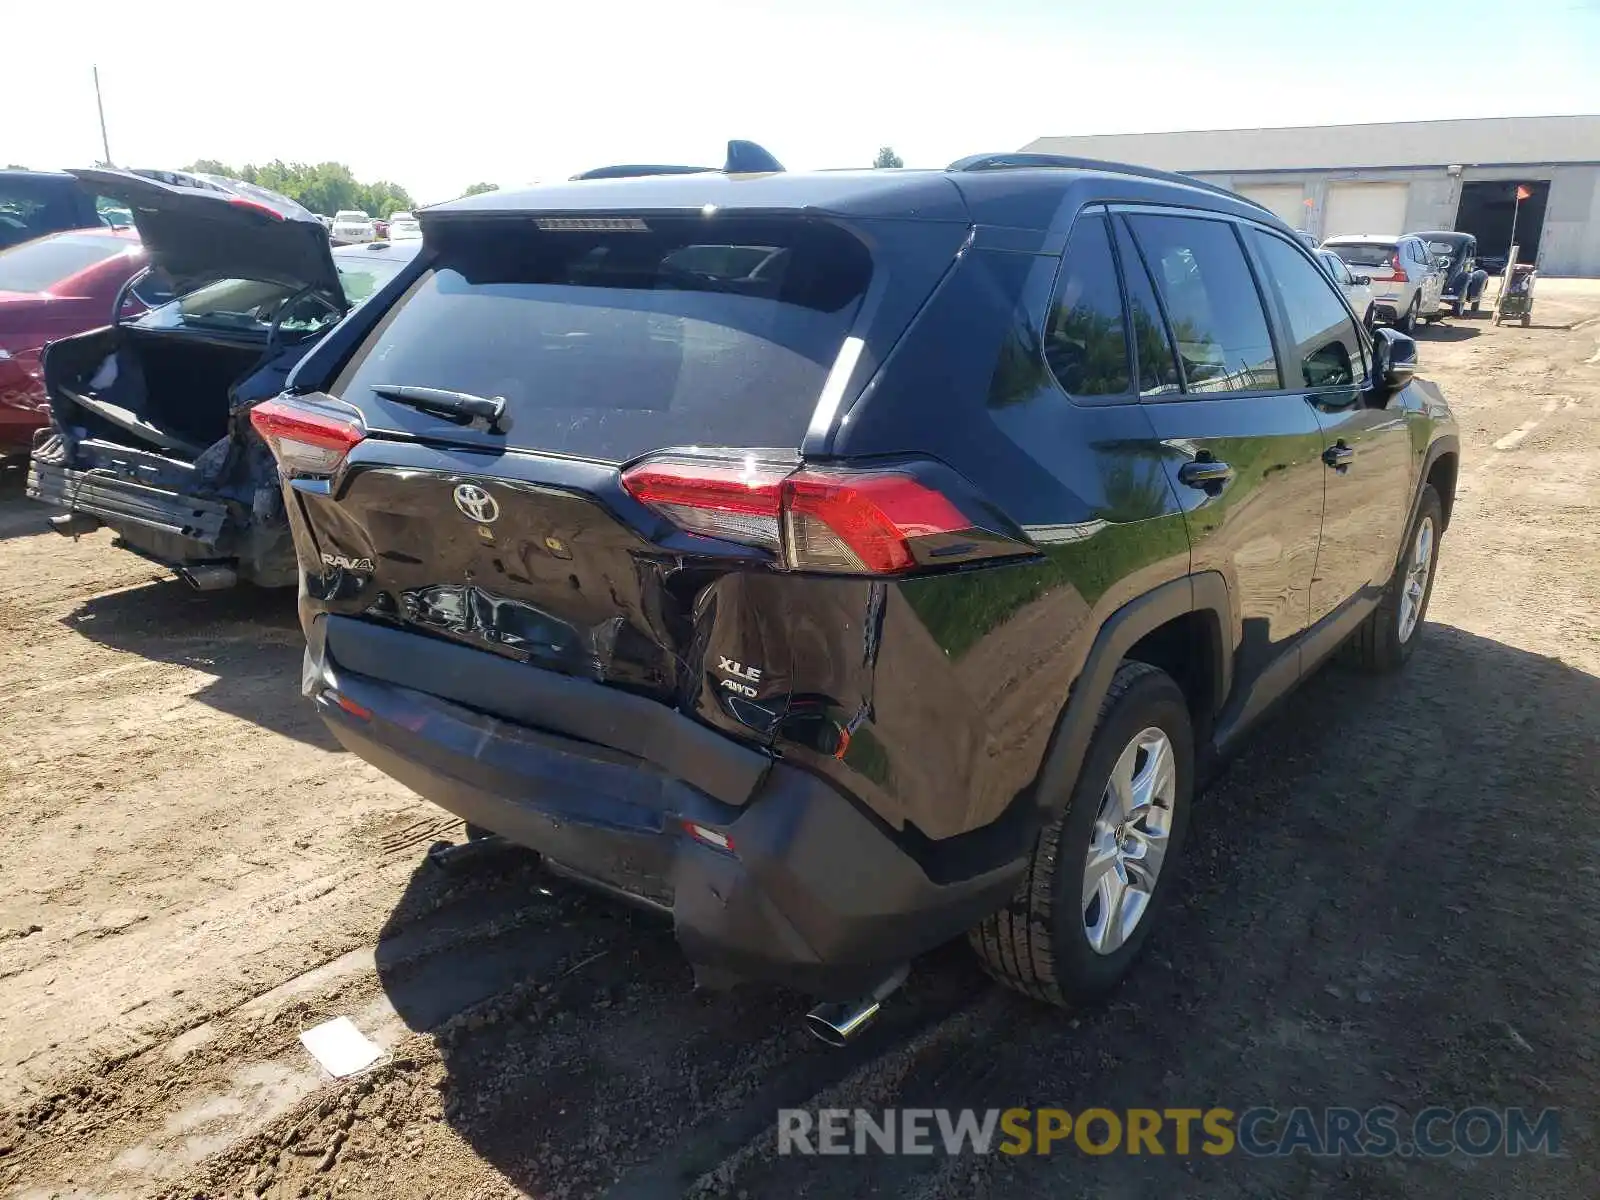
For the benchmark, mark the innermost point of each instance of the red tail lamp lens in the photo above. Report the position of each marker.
(305, 442)
(855, 522)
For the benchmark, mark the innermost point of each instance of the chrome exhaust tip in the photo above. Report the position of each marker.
(838, 1023)
(208, 577)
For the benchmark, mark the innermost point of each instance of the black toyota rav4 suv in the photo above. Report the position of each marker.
(844, 562)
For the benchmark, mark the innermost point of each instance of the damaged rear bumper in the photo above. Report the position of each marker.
(208, 541)
(808, 892)
(117, 501)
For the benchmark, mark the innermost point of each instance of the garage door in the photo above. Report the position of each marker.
(1285, 199)
(1365, 208)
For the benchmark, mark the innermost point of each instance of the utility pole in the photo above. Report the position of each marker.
(105, 143)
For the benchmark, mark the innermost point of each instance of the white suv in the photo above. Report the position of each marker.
(1405, 281)
(1357, 289)
(352, 225)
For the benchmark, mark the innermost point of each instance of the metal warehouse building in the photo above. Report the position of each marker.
(1412, 175)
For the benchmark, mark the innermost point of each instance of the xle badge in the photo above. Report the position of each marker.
(744, 677)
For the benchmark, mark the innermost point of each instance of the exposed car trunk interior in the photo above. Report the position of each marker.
(149, 390)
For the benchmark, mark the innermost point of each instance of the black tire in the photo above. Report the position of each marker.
(1408, 323)
(1370, 320)
(1477, 304)
(477, 832)
(1525, 319)
(1376, 645)
(1455, 308)
(1038, 943)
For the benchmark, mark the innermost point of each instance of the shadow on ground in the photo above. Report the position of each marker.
(1446, 333)
(249, 638)
(19, 516)
(1388, 898)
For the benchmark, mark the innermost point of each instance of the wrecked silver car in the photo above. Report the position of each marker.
(149, 417)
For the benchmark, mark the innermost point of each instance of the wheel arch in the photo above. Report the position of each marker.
(1443, 469)
(1185, 627)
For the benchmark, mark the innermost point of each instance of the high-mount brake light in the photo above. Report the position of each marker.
(245, 202)
(841, 521)
(303, 441)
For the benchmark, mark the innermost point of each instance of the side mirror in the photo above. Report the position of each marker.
(1394, 359)
(1363, 280)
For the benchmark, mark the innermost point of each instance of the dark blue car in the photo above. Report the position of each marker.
(1458, 254)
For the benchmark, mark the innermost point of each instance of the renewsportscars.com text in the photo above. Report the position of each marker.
(1258, 1132)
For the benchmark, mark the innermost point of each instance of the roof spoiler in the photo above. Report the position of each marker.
(1021, 160)
(744, 158)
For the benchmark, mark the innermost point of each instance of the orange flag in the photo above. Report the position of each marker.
(1522, 192)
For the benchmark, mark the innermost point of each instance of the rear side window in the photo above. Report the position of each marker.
(1325, 337)
(1211, 301)
(1158, 361)
(1085, 342)
(609, 344)
(39, 265)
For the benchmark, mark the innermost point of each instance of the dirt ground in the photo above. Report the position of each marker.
(1390, 897)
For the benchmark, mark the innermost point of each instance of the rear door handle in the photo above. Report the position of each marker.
(1204, 473)
(1339, 456)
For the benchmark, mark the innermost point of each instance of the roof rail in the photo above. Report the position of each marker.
(744, 158)
(1020, 160)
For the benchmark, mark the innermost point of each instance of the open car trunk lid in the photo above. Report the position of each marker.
(223, 231)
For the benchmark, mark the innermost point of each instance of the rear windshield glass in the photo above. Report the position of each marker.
(30, 207)
(38, 266)
(610, 344)
(1362, 255)
(1442, 249)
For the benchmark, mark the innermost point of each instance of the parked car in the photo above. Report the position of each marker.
(1357, 289)
(52, 287)
(1456, 254)
(351, 226)
(404, 226)
(1406, 282)
(34, 203)
(843, 606)
(149, 433)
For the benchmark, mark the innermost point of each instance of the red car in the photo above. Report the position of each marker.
(52, 287)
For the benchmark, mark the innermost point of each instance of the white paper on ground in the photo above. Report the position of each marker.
(340, 1047)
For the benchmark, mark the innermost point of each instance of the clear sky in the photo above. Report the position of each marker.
(436, 96)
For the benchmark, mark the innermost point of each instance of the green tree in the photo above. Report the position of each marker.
(888, 158)
(322, 187)
(479, 188)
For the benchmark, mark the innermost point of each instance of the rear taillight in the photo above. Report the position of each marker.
(1397, 273)
(813, 519)
(304, 441)
(736, 499)
(861, 522)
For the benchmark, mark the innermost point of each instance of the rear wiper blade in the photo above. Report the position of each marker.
(464, 406)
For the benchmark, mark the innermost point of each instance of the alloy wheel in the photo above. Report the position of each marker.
(1128, 841)
(1414, 584)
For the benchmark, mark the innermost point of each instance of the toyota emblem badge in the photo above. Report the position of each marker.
(476, 504)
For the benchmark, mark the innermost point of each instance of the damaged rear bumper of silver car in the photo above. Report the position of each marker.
(117, 501)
